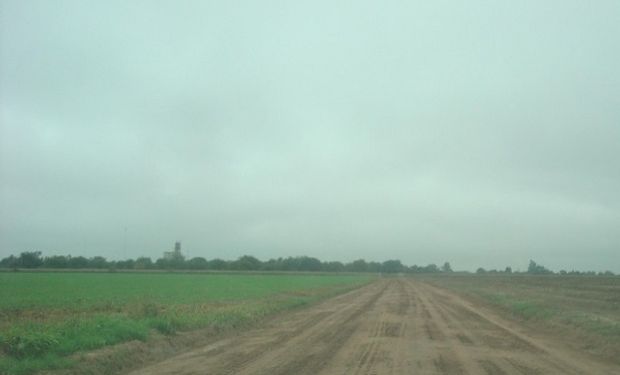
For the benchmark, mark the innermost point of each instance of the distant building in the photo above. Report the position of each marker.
(175, 254)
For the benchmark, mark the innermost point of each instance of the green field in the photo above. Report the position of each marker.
(588, 306)
(47, 317)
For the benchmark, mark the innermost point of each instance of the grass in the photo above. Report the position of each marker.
(46, 317)
(525, 308)
(588, 306)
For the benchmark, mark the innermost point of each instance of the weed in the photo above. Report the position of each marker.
(166, 326)
(28, 344)
(150, 309)
(29, 365)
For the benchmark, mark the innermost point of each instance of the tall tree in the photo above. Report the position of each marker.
(30, 259)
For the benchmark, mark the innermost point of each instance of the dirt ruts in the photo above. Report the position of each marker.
(393, 326)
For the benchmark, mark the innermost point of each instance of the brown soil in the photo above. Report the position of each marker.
(393, 326)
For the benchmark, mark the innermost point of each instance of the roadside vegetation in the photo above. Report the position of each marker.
(47, 317)
(587, 307)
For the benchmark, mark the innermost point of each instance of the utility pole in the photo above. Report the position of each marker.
(125, 241)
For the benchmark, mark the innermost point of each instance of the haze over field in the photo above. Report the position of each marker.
(482, 133)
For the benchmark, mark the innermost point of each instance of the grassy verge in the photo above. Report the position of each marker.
(586, 309)
(526, 308)
(33, 341)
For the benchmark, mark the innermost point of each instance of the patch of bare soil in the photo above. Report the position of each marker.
(393, 326)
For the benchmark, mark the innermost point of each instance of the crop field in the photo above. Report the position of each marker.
(47, 317)
(586, 309)
(446, 323)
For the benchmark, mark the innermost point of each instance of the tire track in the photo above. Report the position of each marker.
(310, 351)
(373, 349)
(394, 326)
(512, 351)
(450, 358)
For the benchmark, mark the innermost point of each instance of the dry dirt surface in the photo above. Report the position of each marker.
(392, 326)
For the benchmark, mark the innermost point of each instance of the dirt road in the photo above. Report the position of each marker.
(393, 326)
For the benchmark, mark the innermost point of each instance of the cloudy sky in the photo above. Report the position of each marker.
(484, 133)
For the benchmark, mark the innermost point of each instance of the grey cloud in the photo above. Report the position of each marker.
(484, 134)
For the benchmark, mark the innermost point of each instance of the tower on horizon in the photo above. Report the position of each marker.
(176, 254)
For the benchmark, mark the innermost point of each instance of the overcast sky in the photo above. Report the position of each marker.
(485, 133)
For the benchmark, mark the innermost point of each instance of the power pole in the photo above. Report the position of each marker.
(125, 241)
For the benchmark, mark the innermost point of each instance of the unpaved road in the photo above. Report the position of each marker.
(393, 326)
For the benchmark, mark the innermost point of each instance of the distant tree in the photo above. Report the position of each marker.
(508, 270)
(309, 264)
(414, 269)
(143, 263)
(30, 259)
(98, 262)
(56, 261)
(333, 267)
(163, 264)
(431, 268)
(537, 269)
(246, 263)
(608, 273)
(358, 265)
(374, 267)
(481, 270)
(179, 263)
(270, 265)
(9, 262)
(126, 264)
(77, 262)
(169, 263)
(217, 264)
(392, 266)
(446, 267)
(288, 264)
(197, 263)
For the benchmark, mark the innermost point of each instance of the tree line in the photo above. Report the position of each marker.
(35, 259)
(538, 269)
